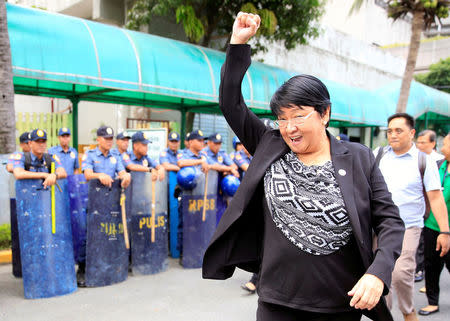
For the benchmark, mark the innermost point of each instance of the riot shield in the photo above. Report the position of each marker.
(197, 232)
(48, 267)
(148, 255)
(15, 247)
(173, 216)
(106, 255)
(78, 197)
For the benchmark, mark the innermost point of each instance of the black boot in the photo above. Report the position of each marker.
(81, 281)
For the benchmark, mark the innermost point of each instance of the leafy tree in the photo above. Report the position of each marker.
(206, 21)
(438, 76)
(424, 13)
(7, 115)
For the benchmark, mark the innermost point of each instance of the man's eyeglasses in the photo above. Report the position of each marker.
(296, 121)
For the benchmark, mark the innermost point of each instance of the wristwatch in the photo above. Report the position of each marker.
(446, 233)
(56, 174)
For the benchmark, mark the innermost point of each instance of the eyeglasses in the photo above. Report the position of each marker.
(296, 121)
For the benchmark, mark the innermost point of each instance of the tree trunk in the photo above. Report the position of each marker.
(416, 30)
(7, 114)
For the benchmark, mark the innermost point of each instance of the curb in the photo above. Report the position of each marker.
(5, 256)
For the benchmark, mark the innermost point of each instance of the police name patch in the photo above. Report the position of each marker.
(72, 155)
(113, 160)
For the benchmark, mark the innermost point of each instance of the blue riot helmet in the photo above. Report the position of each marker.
(236, 141)
(230, 185)
(187, 177)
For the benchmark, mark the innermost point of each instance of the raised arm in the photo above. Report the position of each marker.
(244, 122)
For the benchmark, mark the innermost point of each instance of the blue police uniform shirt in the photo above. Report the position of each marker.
(168, 156)
(188, 154)
(99, 163)
(37, 165)
(124, 157)
(144, 160)
(221, 157)
(241, 158)
(68, 159)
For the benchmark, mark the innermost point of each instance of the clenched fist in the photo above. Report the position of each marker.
(244, 27)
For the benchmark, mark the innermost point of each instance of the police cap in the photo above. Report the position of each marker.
(196, 134)
(105, 132)
(38, 134)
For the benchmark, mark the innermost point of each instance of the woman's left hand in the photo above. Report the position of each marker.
(367, 292)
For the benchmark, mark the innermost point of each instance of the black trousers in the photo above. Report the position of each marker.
(433, 266)
(274, 312)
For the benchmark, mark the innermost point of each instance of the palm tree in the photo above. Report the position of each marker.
(7, 114)
(424, 13)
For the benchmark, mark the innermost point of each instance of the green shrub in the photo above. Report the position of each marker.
(5, 236)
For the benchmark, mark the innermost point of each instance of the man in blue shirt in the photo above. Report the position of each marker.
(122, 142)
(194, 156)
(24, 146)
(68, 155)
(138, 159)
(38, 168)
(242, 160)
(168, 158)
(102, 164)
(237, 145)
(222, 162)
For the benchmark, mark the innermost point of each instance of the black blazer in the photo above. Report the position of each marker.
(237, 241)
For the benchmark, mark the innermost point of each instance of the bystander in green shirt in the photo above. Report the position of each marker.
(445, 183)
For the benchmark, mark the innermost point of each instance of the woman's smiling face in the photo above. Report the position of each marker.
(302, 127)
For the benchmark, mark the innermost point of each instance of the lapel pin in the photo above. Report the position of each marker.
(342, 172)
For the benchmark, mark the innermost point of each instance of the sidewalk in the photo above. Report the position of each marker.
(174, 295)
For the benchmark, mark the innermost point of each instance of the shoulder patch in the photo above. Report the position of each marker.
(18, 156)
(125, 156)
(84, 157)
(163, 154)
(145, 162)
(220, 159)
(238, 156)
(56, 158)
(179, 155)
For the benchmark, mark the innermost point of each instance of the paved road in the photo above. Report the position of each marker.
(174, 295)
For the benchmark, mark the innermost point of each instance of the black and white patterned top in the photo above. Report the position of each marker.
(306, 204)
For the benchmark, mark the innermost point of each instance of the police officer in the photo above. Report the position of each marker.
(168, 158)
(24, 146)
(122, 142)
(186, 145)
(242, 160)
(237, 145)
(102, 164)
(36, 163)
(222, 162)
(194, 156)
(68, 155)
(139, 161)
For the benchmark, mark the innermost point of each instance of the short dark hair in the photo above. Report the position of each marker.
(408, 118)
(301, 90)
(431, 134)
